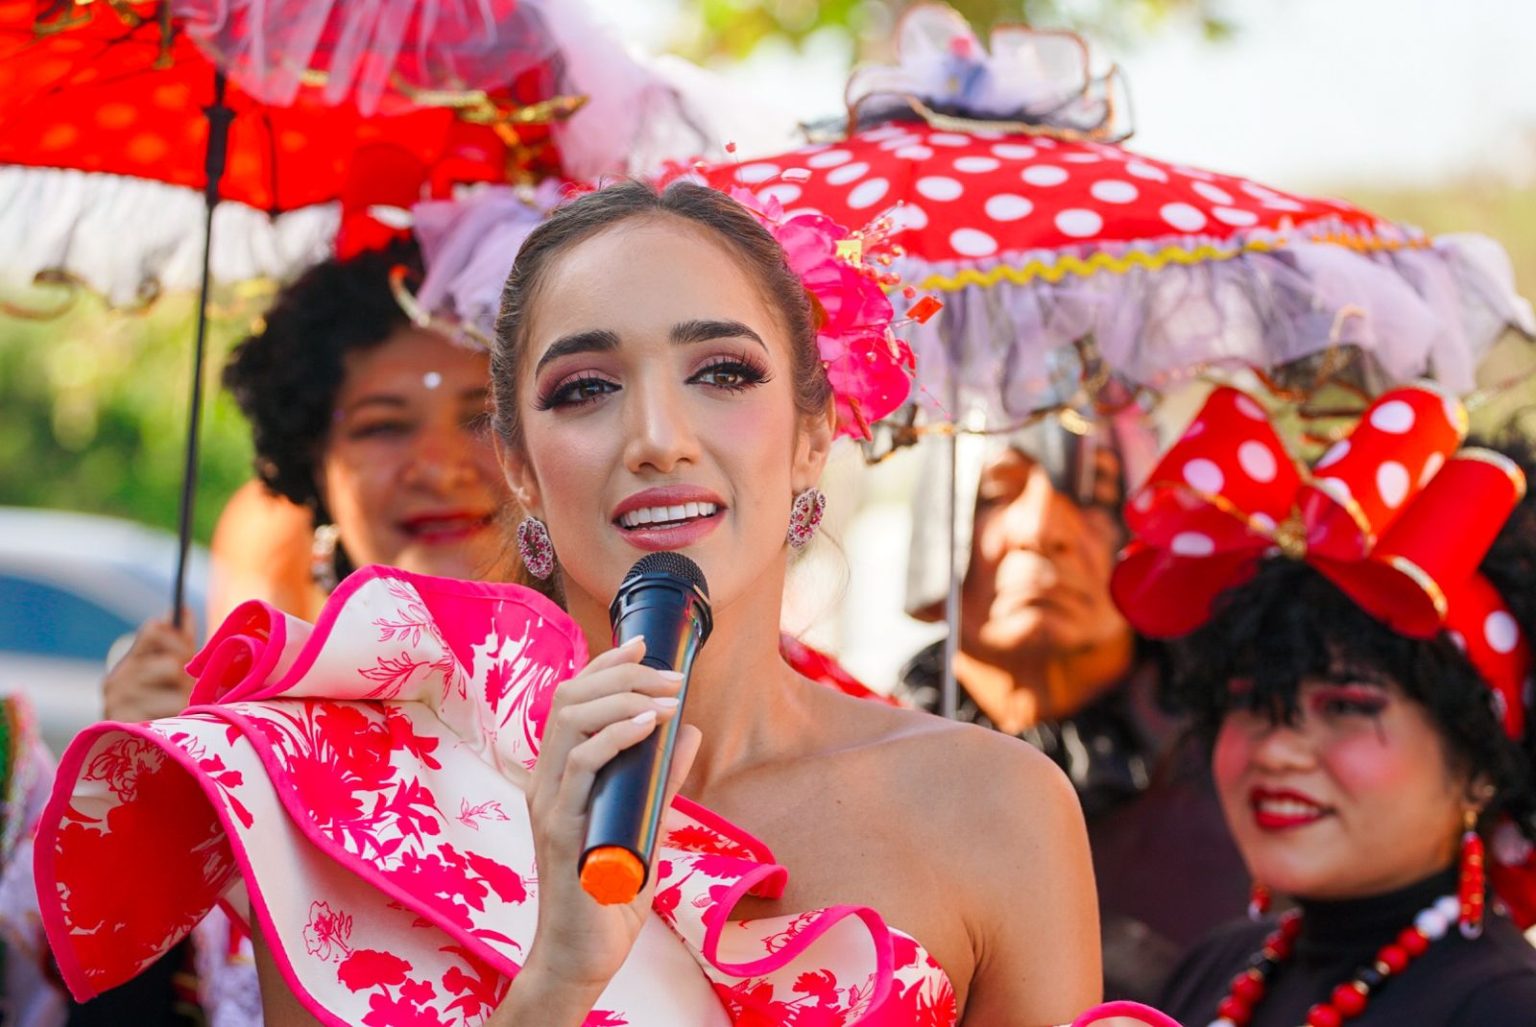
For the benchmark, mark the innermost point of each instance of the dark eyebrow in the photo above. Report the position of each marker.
(599, 340)
(704, 331)
(377, 399)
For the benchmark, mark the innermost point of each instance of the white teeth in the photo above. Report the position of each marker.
(1288, 808)
(667, 514)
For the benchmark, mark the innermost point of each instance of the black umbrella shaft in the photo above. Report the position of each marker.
(213, 168)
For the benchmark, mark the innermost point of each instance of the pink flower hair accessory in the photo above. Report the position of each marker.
(846, 273)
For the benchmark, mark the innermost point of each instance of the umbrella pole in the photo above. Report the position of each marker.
(949, 694)
(219, 117)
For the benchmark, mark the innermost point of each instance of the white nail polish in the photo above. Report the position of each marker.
(666, 702)
(644, 717)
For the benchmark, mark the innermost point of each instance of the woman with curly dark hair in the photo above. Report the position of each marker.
(374, 424)
(1354, 646)
(369, 433)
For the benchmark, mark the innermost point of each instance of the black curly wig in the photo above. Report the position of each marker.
(1289, 623)
(286, 376)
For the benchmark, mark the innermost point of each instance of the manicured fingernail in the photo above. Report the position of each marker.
(644, 717)
(670, 675)
(666, 702)
(638, 640)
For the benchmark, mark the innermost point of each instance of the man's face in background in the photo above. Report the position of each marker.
(1041, 556)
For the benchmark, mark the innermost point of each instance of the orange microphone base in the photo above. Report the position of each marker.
(612, 875)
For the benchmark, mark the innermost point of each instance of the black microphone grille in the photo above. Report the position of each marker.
(675, 564)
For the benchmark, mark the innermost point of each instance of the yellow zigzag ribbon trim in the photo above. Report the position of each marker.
(1054, 270)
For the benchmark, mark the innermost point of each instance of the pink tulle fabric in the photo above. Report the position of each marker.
(363, 778)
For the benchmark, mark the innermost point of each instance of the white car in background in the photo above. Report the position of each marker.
(71, 586)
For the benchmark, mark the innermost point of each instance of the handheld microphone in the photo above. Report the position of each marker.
(665, 599)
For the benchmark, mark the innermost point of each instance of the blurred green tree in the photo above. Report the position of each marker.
(93, 408)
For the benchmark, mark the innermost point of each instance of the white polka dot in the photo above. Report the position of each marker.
(1045, 143)
(977, 165)
(938, 187)
(1081, 158)
(1014, 151)
(971, 242)
(1143, 170)
(1044, 175)
(1079, 224)
(1183, 217)
(1257, 461)
(1192, 543)
(750, 174)
(1112, 190)
(847, 173)
(829, 159)
(916, 151)
(1394, 417)
(900, 141)
(1458, 640)
(1336, 488)
(1392, 483)
(1197, 428)
(1502, 632)
(1281, 203)
(1204, 475)
(1214, 193)
(796, 175)
(910, 216)
(1336, 452)
(1257, 191)
(949, 139)
(784, 192)
(867, 194)
(1249, 408)
(1007, 207)
(1189, 172)
(1235, 217)
(1143, 501)
(1431, 468)
(1263, 521)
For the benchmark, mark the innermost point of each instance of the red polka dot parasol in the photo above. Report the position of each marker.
(1000, 166)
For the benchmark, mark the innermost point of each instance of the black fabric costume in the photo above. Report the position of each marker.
(1167, 871)
(1487, 982)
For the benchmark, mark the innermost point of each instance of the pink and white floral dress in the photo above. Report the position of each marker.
(363, 779)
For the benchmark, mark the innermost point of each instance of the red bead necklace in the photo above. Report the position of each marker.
(1350, 998)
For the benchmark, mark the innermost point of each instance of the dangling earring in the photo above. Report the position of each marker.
(1258, 901)
(805, 517)
(1473, 885)
(322, 557)
(537, 551)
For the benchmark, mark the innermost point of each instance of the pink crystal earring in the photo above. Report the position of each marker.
(805, 517)
(537, 551)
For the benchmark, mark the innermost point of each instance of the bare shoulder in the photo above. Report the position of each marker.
(958, 774)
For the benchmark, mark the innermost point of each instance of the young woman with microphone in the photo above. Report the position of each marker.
(669, 374)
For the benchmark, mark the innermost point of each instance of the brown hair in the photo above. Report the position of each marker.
(757, 252)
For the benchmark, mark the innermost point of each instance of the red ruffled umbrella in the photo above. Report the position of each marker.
(119, 88)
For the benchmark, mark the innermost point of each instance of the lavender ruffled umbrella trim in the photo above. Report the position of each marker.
(1430, 311)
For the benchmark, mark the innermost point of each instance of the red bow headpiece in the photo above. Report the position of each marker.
(1395, 515)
